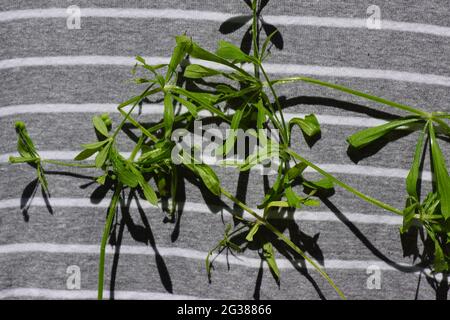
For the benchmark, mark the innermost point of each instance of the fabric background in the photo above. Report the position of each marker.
(157, 259)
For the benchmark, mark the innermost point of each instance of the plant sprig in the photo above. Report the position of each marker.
(152, 170)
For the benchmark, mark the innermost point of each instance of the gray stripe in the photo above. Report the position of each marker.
(187, 277)
(423, 12)
(303, 45)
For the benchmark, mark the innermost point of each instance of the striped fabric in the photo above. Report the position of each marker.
(55, 78)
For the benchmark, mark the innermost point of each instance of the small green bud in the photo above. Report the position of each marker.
(20, 125)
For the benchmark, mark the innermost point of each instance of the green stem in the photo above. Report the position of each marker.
(106, 231)
(67, 164)
(346, 186)
(255, 36)
(285, 134)
(403, 107)
(136, 148)
(285, 239)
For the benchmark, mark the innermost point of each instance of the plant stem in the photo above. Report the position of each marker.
(285, 239)
(106, 231)
(68, 164)
(346, 186)
(285, 131)
(403, 107)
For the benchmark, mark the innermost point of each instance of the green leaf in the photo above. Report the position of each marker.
(310, 125)
(325, 184)
(183, 46)
(408, 217)
(86, 153)
(25, 145)
(414, 172)
(440, 173)
(95, 145)
(196, 71)
(229, 143)
(267, 41)
(101, 180)
(229, 51)
(296, 170)
(252, 232)
(127, 177)
(168, 114)
(102, 155)
(269, 256)
(209, 177)
(192, 108)
(365, 137)
(293, 199)
(208, 264)
(100, 125)
(149, 193)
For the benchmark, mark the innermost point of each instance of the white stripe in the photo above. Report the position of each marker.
(350, 169)
(154, 109)
(299, 215)
(89, 294)
(182, 253)
(178, 14)
(286, 69)
(332, 264)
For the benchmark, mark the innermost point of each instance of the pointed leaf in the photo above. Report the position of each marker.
(414, 172)
(365, 137)
(440, 173)
(229, 51)
(149, 193)
(192, 108)
(168, 114)
(83, 155)
(100, 125)
(252, 232)
(196, 71)
(270, 259)
(310, 125)
(102, 155)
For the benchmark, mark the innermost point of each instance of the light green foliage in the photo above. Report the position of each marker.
(253, 108)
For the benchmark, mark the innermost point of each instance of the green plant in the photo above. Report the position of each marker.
(256, 105)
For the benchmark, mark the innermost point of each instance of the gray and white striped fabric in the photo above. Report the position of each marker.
(55, 78)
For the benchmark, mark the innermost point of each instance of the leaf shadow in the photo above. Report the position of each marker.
(140, 233)
(235, 23)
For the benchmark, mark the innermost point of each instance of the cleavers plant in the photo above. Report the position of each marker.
(253, 98)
